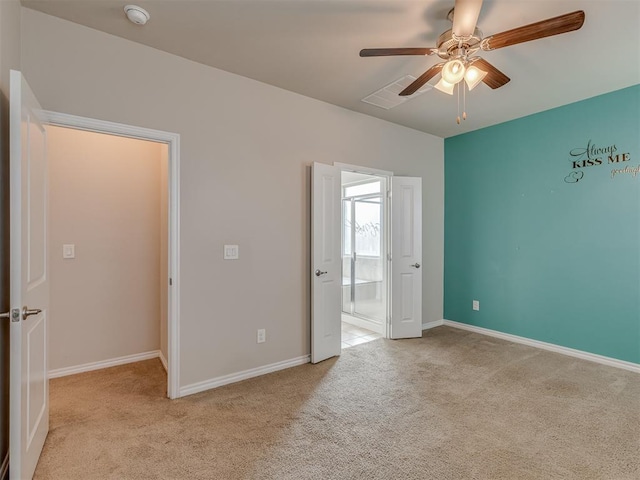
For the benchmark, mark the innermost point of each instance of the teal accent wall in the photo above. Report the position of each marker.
(550, 248)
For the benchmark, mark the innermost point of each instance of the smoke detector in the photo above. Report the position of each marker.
(136, 14)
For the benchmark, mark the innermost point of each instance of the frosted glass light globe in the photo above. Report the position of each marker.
(453, 71)
(444, 86)
(474, 76)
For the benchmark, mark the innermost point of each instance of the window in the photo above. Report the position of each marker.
(362, 189)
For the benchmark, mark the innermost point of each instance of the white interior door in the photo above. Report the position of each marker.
(326, 266)
(406, 257)
(29, 391)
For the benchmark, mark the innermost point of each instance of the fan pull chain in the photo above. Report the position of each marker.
(464, 102)
(458, 117)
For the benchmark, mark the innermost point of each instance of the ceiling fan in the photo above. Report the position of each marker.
(459, 45)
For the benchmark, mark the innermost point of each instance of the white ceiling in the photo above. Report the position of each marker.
(311, 47)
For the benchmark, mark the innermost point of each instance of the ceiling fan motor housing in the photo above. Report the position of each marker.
(448, 47)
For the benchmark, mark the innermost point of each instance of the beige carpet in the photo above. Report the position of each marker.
(451, 405)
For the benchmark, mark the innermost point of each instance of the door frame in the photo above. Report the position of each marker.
(346, 167)
(172, 140)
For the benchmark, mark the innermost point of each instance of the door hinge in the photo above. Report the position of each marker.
(170, 281)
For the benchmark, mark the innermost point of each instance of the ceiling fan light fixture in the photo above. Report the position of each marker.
(453, 71)
(473, 76)
(444, 86)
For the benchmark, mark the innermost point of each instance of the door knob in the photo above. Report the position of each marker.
(14, 315)
(26, 312)
(319, 272)
(416, 265)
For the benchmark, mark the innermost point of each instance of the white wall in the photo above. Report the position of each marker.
(246, 151)
(9, 59)
(104, 197)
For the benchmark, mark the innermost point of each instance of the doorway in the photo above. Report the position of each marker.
(364, 258)
(401, 232)
(108, 230)
(29, 269)
(169, 262)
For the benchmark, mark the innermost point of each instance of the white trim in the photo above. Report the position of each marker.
(163, 360)
(173, 141)
(5, 466)
(112, 362)
(592, 357)
(104, 126)
(244, 375)
(428, 325)
(345, 167)
(173, 330)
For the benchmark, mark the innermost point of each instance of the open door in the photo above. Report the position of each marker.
(29, 389)
(326, 266)
(406, 257)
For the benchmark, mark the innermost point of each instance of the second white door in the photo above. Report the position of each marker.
(406, 257)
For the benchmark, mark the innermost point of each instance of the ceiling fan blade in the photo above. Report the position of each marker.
(465, 17)
(494, 78)
(546, 28)
(387, 52)
(422, 79)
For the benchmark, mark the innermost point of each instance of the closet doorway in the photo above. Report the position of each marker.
(164, 178)
(108, 244)
(364, 258)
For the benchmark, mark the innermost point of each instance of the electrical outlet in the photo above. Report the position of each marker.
(262, 335)
(476, 305)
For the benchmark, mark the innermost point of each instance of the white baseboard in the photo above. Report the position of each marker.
(163, 359)
(428, 325)
(239, 376)
(88, 367)
(612, 362)
(4, 468)
(372, 325)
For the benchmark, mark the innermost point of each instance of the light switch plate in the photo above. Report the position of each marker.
(68, 251)
(231, 252)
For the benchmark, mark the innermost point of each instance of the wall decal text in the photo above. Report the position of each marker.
(594, 155)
